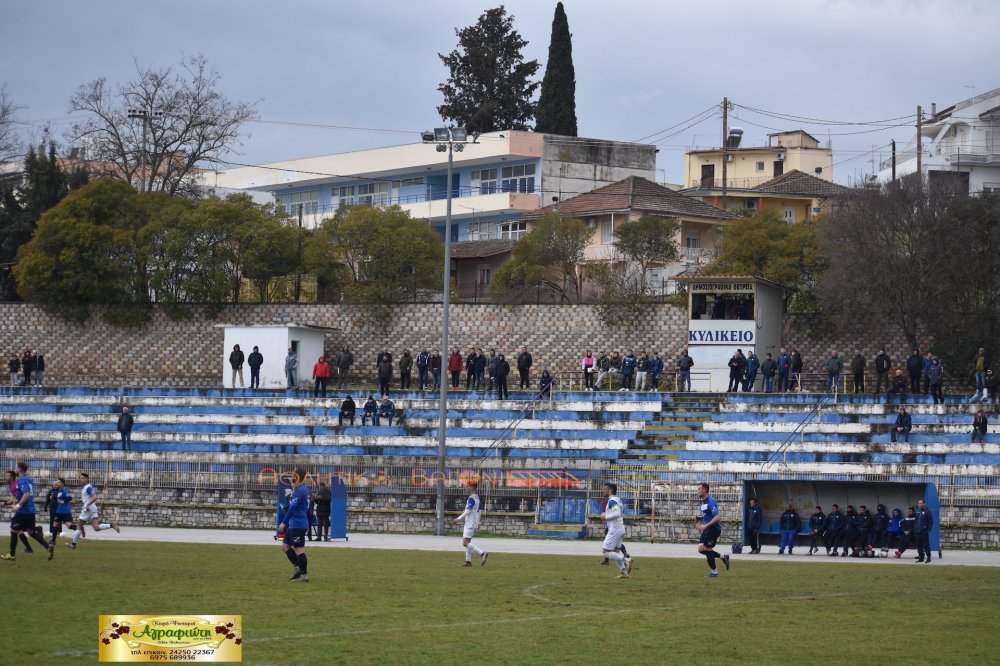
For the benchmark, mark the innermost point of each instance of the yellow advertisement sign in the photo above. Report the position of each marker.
(167, 638)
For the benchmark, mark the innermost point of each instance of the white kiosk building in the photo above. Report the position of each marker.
(273, 341)
(729, 313)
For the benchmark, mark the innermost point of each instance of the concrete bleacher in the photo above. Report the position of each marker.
(574, 425)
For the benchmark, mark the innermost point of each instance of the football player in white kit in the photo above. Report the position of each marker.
(616, 531)
(471, 518)
(88, 514)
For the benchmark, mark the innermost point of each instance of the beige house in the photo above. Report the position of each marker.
(748, 167)
(795, 196)
(627, 200)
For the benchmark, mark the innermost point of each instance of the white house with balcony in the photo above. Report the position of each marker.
(960, 147)
(495, 179)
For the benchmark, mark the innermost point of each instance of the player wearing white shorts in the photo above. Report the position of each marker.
(88, 512)
(616, 531)
(471, 517)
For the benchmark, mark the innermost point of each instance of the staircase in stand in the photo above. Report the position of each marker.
(681, 417)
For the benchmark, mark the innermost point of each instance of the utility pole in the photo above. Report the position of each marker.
(894, 160)
(920, 156)
(147, 117)
(298, 276)
(725, 151)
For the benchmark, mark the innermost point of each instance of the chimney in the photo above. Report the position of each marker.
(933, 109)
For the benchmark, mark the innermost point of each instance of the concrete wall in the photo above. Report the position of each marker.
(164, 352)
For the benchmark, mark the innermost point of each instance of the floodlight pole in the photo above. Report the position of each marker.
(440, 529)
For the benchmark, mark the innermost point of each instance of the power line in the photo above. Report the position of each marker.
(821, 121)
(649, 136)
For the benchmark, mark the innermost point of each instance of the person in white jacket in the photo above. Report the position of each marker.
(471, 517)
(616, 531)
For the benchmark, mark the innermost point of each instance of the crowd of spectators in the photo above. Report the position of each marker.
(28, 369)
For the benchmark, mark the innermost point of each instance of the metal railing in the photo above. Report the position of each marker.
(800, 428)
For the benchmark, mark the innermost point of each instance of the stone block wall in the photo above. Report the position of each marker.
(166, 352)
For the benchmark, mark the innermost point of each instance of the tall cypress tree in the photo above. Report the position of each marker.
(556, 113)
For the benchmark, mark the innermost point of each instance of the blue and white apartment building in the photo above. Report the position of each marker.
(495, 181)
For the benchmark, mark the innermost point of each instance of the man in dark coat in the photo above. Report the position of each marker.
(755, 518)
(503, 369)
(125, 423)
(255, 360)
(524, 368)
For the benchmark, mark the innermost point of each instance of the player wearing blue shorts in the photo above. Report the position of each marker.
(23, 521)
(710, 529)
(294, 525)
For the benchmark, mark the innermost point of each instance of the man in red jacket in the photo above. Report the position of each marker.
(455, 366)
(321, 375)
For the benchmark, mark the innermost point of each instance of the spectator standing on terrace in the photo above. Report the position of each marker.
(641, 371)
(323, 497)
(750, 374)
(423, 365)
(991, 387)
(784, 368)
(914, 368)
(588, 365)
(936, 378)
(27, 366)
(980, 424)
(255, 360)
(922, 531)
(981, 362)
(14, 366)
(384, 374)
(405, 369)
(545, 385)
(470, 370)
(788, 526)
(503, 370)
(898, 386)
(883, 364)
(455, 368)
(928, 364)
(734, 373)
(817, 527)
(386, 410)
(858, 364)
(321, 376)
(901, 428)
(491, 368)
(344, 360)
(628, 369)
(435, 367)
(39, 367)
(292, 368)
(381, 356)
(655, 370)
(480, 369)
(124, 427)
(769, 368)
(796, 370)
(834, 366)
(755, 517)
(348, 408)
(684, 365)
(236, 360)
(524, 368)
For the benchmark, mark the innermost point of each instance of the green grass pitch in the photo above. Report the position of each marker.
(411, 607)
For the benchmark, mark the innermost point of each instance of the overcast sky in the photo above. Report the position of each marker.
(641, 65)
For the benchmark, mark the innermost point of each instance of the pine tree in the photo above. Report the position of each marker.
(556, 113)
(489, 86)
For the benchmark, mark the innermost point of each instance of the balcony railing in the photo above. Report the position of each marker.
(699, 254)
(734, 183)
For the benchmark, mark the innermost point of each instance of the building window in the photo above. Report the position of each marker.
(484, 181)
(519, 178)
(513, 230)
(407, 182)
(373, 194)
(484, 275)
(760, 167)
(345, 195)
(482, 230)
(309, 200)
(991, 188)
(608, 232)
(789, 214)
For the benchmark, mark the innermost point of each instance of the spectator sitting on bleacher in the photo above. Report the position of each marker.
(347, 410)
(370, 411)
(386, 410)
(902, 426)
(545, 385)
(979, 426)
(898, 386)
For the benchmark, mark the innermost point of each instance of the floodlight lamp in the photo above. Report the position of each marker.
(441, 134)
(427, 137)
(459, 134)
